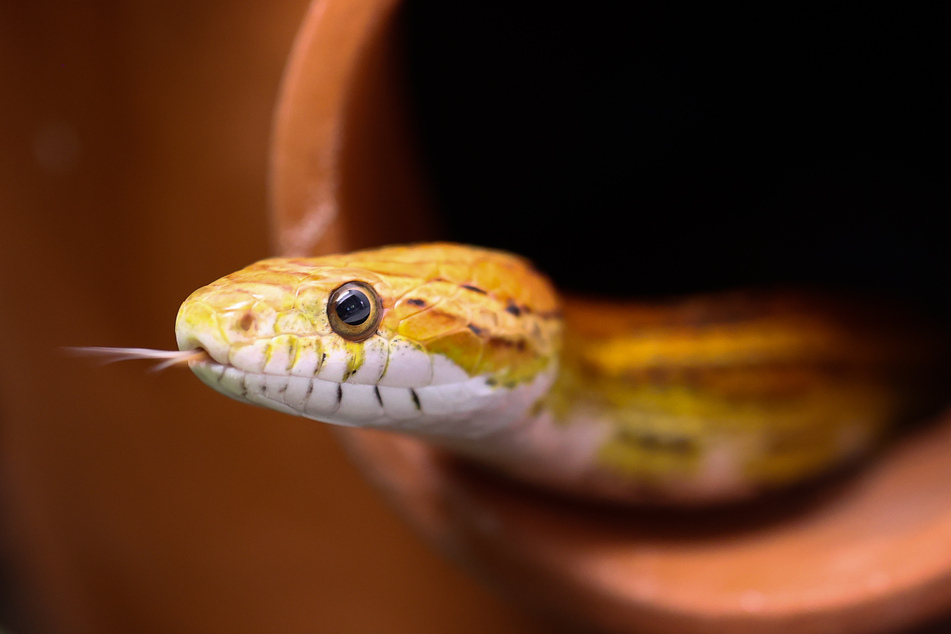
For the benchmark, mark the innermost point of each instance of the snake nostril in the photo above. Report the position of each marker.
(246, 321)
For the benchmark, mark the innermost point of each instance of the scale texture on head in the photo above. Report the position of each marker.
(442, 338)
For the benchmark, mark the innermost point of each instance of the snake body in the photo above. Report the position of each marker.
(472, 349)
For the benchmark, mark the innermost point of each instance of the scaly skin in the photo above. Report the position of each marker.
(698, 400)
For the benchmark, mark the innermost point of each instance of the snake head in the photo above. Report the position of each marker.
(434, 339)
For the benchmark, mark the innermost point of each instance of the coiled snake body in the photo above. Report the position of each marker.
(703, 399)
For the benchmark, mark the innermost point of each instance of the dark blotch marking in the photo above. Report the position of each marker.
(512, 309)
(246, 321)
(415, 398)
(323, 357)
(692, 375)
(339, 394)
(416, 302)
(491, 381)
(379, 398)
(476, 330)
(310, 388)
(521, 345)
(784, 442)
(474, 289)
(659, 375)
(651, 442)
(679, 445)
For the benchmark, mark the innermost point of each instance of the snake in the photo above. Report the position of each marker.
(684, 400)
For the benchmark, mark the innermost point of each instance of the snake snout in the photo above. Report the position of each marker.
(197, 327)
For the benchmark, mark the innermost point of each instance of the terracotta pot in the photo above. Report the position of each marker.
(868, 553)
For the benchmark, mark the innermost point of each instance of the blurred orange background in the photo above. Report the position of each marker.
(134, 139)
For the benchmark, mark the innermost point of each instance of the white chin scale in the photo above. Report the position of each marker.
(469, 408)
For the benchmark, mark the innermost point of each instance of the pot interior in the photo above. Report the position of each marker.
(666, 150)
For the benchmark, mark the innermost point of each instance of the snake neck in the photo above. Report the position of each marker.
(702, 403)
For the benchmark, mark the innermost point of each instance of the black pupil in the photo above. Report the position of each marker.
(353, 307)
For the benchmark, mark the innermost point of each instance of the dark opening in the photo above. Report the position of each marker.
(672, 148)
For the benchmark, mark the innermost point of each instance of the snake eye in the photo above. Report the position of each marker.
(354, 311)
